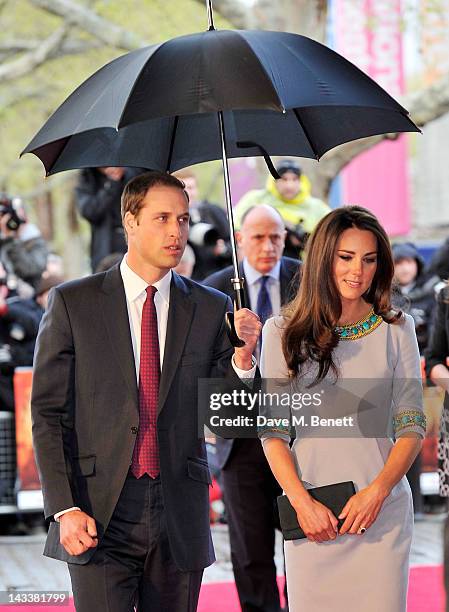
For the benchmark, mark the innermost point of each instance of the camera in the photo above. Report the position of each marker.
(8, 206)
(203, 235)
(296, 237)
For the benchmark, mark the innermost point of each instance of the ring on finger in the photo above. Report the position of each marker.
(361, 530)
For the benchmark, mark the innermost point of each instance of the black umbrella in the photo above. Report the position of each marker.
(216, 95)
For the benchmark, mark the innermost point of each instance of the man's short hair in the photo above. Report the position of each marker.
(136, 189)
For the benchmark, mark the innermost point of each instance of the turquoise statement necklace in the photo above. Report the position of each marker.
(356, 330)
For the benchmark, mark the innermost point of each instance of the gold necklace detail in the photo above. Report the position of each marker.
(363, 327)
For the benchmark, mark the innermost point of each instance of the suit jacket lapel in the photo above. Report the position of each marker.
(117, 323)
(247, 302)
(285, 280)
(180, 315)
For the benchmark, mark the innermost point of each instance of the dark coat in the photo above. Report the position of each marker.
(206, 261)
(98, 201)
(419, 302)
(85, 407)
(25, 258)
(438, 347)
(289, 281)
(19, 325)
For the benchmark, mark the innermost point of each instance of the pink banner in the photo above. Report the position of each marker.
(368, 33)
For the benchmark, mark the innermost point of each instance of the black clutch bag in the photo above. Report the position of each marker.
(333, 496)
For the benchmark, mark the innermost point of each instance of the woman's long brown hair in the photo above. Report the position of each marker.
(309, 334)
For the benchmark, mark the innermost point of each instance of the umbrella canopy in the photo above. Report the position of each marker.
(157, 107)
(213, 95)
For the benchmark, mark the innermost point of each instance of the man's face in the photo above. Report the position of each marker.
(288, 185)
(157, 235)
(113, 173)
(405, 270)
(191, 187)
(262, 240)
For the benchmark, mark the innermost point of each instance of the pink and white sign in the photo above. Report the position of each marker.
(368, 33)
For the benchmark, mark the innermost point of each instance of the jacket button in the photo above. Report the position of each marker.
(134, 430)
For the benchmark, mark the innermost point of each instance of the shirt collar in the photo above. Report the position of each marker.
(252, 275)
(135, 286)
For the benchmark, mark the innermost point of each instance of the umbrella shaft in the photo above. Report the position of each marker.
(210, 15)
(237, 281)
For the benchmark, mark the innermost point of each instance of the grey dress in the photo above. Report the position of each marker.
(368, 571)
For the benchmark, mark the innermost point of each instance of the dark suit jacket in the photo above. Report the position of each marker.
(85, 407)
(438, 347)
(289, 282)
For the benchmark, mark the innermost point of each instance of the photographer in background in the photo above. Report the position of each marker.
(413, 290)
(23, 250)
(413, 293)
(291, 196)
(209, 230)
(19, 324)
(98, 195)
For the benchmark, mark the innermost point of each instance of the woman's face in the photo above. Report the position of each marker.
(355, 263)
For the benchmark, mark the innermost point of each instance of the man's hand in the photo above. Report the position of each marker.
(248, 328)
(220, 247)
(78, 532)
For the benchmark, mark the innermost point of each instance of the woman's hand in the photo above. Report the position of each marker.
(361, 509)
(316, 520)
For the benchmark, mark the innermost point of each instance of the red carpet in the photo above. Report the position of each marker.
(426, 592)
(425, 595)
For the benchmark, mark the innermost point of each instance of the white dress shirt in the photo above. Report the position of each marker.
(135, 292)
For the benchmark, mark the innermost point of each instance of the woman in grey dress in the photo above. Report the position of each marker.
(340, 338)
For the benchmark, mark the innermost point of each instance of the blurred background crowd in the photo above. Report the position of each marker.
(70, 225)
(29, 268)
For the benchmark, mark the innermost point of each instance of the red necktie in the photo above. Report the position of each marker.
(146, 451)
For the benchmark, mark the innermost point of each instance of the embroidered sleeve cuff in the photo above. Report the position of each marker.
(281, 433)
(409, 420)
(277, 431)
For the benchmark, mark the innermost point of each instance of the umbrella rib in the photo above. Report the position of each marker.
(264, 70)
(298, 118)
(172, 143)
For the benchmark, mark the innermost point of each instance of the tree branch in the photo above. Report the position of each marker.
(68, 47)
(103, 29)
(429, 103)
(16, 96)
(31, 60)
(424, 106)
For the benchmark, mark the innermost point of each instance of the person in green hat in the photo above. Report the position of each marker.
(291, 196)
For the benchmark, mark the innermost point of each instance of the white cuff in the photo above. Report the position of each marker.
(245, 373)
(58, 514)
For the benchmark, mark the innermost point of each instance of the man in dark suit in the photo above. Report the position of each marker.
(122, 465)
(250, 489)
